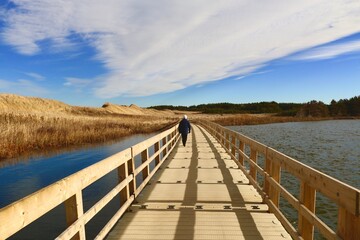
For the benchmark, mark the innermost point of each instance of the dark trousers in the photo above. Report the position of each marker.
(184, 138)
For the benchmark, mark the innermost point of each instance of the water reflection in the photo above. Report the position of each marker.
(25, 177)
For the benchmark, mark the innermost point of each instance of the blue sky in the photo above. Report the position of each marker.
(87, 52)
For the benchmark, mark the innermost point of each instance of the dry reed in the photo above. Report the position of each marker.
(24, 133)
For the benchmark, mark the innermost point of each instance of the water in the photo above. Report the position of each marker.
(333, 147)
(21, 178)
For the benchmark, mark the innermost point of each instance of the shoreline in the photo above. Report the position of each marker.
(30, 135)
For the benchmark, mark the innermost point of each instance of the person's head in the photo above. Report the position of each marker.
(185, 117)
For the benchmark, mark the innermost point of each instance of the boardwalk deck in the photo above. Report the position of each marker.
(199, 193)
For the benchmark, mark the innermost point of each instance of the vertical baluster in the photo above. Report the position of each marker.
(276, 175)
(144, 158)
(348, 224)
(227, 141)
(253, 157)
(131, 168)
(165, 149)
(267, 170)
(123, 174)
(233, 141)
(307, 198)
(156, 149)
(74, 209)
(241, 150)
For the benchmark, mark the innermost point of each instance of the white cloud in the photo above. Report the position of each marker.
(159, 46)
(77, 82)
(327, 52)
(36, 76)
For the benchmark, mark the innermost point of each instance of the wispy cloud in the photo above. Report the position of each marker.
(78, 83)
(159, 46)
(23, 87)
(327, 52)
(35, 76)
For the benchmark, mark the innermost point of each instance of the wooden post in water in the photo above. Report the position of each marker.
(308, 199)
(74, 209)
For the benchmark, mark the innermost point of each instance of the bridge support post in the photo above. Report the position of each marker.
(308, 199)
(74, 209)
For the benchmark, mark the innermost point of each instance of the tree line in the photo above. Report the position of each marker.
(341, 108)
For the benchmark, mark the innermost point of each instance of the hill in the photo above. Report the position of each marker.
(10, 103)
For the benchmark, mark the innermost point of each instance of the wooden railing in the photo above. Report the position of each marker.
(19, 214)
(311, 181)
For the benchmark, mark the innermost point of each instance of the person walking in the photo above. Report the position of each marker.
(184, 128)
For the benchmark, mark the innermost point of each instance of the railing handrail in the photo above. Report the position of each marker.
(311, 181)
(68, 190)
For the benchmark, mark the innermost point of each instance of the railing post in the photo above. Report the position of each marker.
(156, 148)
(267, 170)
(123, 174)
(275, 174)
(308, 199)
(131, 168)
(253, 157)
(348, 224)
(74, 209)
(227, 140)
(233, 141)
(165, 149)
(241, 150)
(144, 158)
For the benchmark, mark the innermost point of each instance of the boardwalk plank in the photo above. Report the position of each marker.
(199, 193)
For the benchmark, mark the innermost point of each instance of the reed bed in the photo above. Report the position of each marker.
(255, 119)
(27, 133)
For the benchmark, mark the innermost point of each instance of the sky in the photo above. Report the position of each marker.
(180, 52)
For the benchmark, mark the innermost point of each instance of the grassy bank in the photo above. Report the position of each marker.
(27, 133)
(254, 119)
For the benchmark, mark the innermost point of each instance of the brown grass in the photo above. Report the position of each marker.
(36, 125)
(255, 119)
(23, 133)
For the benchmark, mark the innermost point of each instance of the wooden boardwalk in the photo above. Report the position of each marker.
(199, 193)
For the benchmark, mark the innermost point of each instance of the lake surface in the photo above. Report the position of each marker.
(20, 178)
(333, 147)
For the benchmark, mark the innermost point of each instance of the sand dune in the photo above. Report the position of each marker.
(20, 104)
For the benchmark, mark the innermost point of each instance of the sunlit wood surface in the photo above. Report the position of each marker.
(199, 193)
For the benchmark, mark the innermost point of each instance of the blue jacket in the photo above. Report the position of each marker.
(184, 126)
